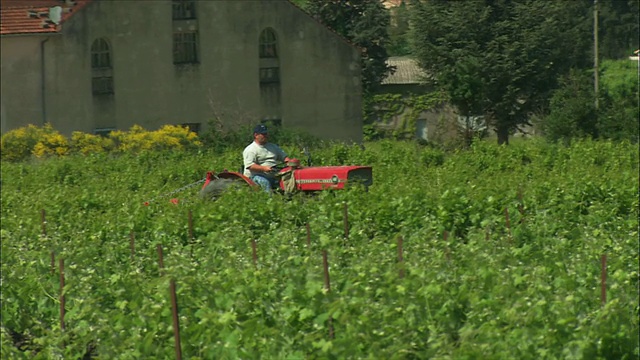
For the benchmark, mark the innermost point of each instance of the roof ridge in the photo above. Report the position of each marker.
(343, 38)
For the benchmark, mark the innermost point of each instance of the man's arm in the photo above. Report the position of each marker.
(259, 168)
(283, 155)
(249, 157)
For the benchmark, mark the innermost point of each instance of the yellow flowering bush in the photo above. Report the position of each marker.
(51, 143)
(168, 137)
(85, 144)
(21, 143)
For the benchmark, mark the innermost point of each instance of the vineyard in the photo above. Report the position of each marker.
(528, 251)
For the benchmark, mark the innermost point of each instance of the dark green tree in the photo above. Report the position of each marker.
(618, 27)
(364, 23)
(399, 31)
(619, 111)
(572, 111)
(500, 58)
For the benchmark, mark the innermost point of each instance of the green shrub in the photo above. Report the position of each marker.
(169, 137)
(85, 144)
(21, 143)
(572, 109)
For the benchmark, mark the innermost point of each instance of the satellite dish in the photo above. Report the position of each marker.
(55, 14)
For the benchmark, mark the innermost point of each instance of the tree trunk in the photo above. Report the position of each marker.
(503, 135)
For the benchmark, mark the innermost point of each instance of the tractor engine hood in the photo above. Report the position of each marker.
(331, 177)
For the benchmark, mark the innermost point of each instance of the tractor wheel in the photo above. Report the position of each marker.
(216, 187)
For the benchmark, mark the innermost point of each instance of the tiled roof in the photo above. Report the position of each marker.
(32, 16)
(407, 71)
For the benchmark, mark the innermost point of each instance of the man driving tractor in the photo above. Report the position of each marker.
(260, 157)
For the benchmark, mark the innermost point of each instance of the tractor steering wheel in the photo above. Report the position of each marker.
(278, 167)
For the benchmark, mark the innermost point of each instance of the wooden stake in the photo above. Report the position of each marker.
(191, 242)
(255, 252)
(603, 279)
(176, 319)
(62, 297)
(43, 222)
(345, 216)
(160, 259)
(132, 245)
(447, 252)
(400, 257)
(327, 286)
(508, 221)
(190, 226)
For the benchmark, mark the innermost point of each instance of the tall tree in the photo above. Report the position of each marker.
(399, 31)
(618, 27)
(500, 58)
(364, 23)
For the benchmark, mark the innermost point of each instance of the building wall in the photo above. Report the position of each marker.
(320, 74)
(434, 125)
(20, 81)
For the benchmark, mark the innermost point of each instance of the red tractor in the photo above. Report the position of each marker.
(292, 178)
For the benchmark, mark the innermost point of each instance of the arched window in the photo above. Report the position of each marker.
(268, 44)
(184, 9)
(269, 77)
(101, 67)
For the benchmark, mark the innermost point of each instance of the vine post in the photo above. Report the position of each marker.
(520, 205)
(327, 286)
(345, 216)
(132, 245)
(400, 257)
(445, 238)
(160, 259)
(43, 225)
(508, 221)
(190, 224)
(190, 221)
(176, 319)
(43, 222)
(62, 297)
(254, 252)
(603, 279)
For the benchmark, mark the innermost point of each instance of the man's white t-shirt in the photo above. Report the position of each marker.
(268, 154)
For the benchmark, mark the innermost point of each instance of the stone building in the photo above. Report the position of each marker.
(98, 65)
(436, 124)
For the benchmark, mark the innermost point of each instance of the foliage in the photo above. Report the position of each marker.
(618, 28)
(385, 108)
(222, 139)
(527, 289)
(399, 44)
(19, 144)
(23, 142)
(137, 139)
(620, 111)
(501, 58)
(364, 23)
(301, 3)
(572, 109)
(86, 144)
